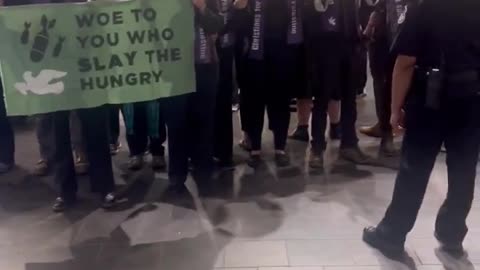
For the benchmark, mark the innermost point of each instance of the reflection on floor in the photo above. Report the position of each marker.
(289, 219)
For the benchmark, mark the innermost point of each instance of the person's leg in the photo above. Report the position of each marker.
(78, 144)
(63, 165)
(421, 146)
(360, 65)
(114, 128)
(157, 148)
(175, 112)
(378, 56)
(7, 145)
(223, 113)
(201, 118)
(137, 133)
(462, 146)
(45, 138)
(96, 140)
(334, 115)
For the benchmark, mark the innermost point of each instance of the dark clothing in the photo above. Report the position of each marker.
(7, 145)
(431, 28)
(223, 112)
(140, 141)
(114, 124)
(93, 122)
(335, 73)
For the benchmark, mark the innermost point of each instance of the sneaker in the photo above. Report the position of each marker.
(60, 204)
(159, 163)
(42, 168)
(355, 155)
(316, 161)
(254, 161)
(373, 131)
(335, 131)
(282, 160)
(5, 167)
(109, 201)
(136, 163)
(378, 240)
(301, 134)
(387, 148)
(115, 148)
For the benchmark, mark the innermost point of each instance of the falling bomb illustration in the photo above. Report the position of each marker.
(40, 43)
(58, 48)
(26, 33)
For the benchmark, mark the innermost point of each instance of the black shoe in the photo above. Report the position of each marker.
(282, 160)
(301, 134)
(335, 132)
(254, 161)
(159, 163)
(225, 165)
(61, 204)
(387, 147)
(109, 201)
(454, 249)
(135, 163)
(376, 239)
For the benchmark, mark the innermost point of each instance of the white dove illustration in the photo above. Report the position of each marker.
(40, 85)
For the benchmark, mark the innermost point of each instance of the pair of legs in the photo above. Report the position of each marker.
(190, 122)
(46, 142)
(223, 112)
(335, 73)
(146, 130)
(457, 127)
(304, 111)
(381, 66)
(7, 145)
(268, 88)
(95, 136)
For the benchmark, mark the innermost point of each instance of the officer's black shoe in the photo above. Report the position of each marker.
(254, 161)
(62, 204)
(377, 239)
(282, 159)
(455, 249)
(301, 134)
(159, 163)
(335, 131)
(109, 201)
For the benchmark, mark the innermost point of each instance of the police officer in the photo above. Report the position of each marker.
(333, 34)
(439, 56)
(382, 29)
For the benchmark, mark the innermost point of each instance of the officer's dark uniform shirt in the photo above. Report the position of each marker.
(436, 26)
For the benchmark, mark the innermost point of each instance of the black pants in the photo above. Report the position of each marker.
(140, 141)
(114, 123)
(334, 72)
(7, 145)
(223, 113)
(94, 122)
(190, 122)
(360, 67)
(269, 86)
(381, 67)
(457, 126)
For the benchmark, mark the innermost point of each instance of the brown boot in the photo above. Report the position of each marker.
(373, 131)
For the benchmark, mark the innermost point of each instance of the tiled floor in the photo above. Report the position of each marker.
(290, 219)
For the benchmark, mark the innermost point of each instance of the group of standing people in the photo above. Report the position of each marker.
(282, 49)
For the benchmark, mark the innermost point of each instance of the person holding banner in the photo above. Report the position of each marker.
(274, 66)
(190, 117)
(7, 145)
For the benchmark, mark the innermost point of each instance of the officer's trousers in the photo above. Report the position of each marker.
(381, 67)
(190, 125)
(94, 122)
(140, 140)
(334, 72)
(457, 126)
(223, 112)
(269, 86)
(7, 146)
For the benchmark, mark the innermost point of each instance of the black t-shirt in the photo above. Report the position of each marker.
(436, 28)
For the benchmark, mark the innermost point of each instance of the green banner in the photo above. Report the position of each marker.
(67, 56)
